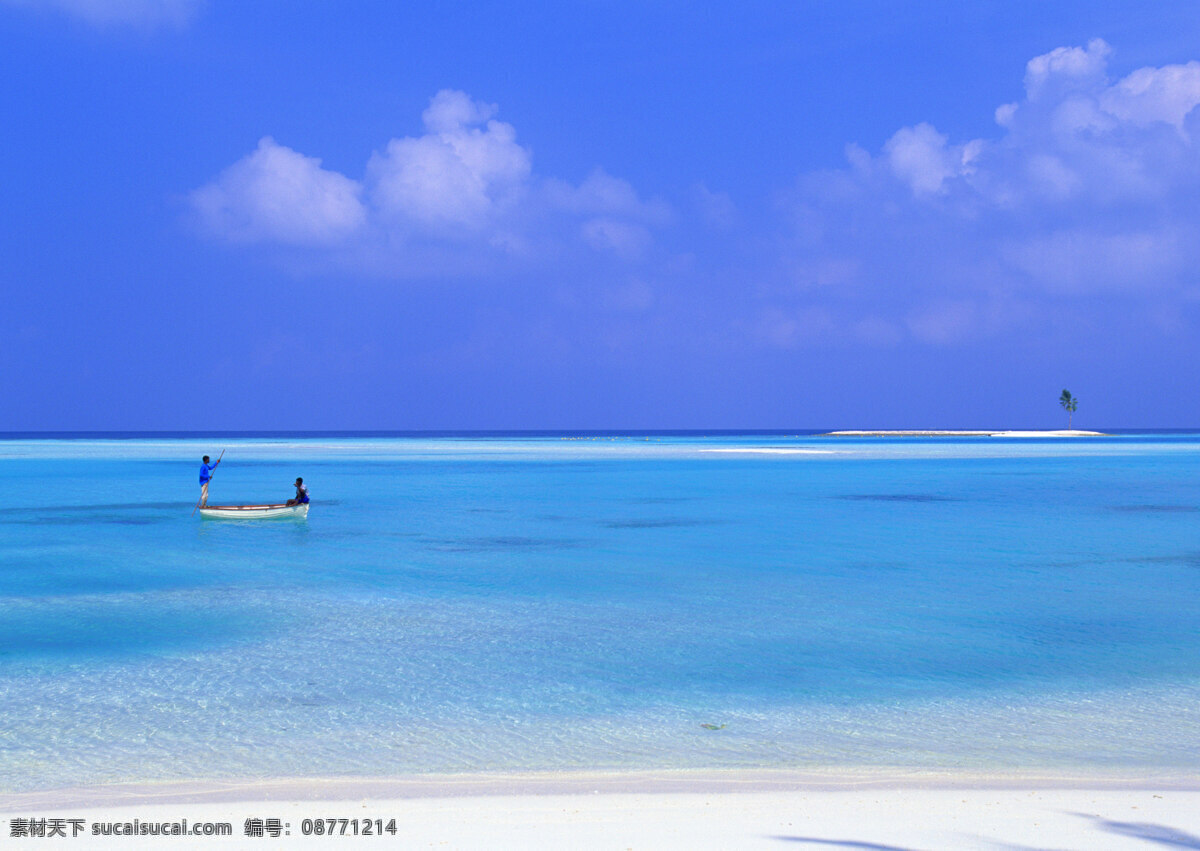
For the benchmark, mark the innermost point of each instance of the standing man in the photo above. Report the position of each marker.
(206, 471)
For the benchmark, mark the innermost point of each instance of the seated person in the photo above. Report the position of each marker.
(301, 493)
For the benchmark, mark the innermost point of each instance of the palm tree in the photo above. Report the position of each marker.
(1070, 403)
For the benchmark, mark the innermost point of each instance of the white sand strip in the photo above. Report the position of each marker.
(1063, 433)
(871, 814)
(948, 433)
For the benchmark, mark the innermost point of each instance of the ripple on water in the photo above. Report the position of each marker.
(899, 497)
(658, 523)
(497, 543)
(1156, 509)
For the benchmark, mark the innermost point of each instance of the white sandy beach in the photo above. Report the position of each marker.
(776, 809)
(952, 433)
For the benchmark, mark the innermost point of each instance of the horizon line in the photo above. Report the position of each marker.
(529, 432)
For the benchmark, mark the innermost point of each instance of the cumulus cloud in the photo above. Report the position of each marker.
(148, 13)
(603, 194)
(466, 171)
(921, 158)
(1150, 95)
(464, 188)
(275, 194)
(1074, 135)
(1090, 190)
(1065, 70)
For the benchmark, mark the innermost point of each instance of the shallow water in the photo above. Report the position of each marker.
(522, 603)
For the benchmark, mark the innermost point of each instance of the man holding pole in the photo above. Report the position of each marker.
(206, 472)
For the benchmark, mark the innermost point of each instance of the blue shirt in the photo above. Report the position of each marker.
(205, 473)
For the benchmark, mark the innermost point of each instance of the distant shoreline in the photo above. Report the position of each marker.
(368, 434)
(647, 781)
(948, 433)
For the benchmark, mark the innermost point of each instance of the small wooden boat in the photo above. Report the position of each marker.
(255, 512)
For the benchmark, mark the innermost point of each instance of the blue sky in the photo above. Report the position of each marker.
(598, 215)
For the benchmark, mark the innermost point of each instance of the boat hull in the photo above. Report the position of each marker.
(255, 512)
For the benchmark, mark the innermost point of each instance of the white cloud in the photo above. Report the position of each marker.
(1082, 260)
(1065, 70)
(462, 190)
(275, 194)
(1090, 193)
(449, 111)
(148, 13)
(459, 174)
(1148, 95)
(921, 158)
(1052, 176)
(603, 194)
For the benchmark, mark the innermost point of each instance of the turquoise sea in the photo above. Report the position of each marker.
(498, 603)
